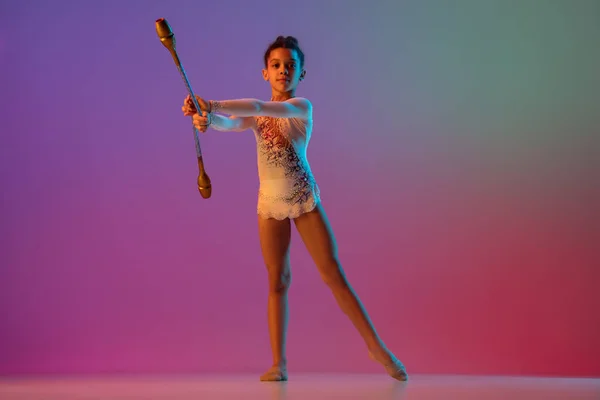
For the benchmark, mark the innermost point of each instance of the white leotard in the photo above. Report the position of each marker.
(287, 186)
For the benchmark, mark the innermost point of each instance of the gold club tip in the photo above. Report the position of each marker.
(163, 29)
(205, 192)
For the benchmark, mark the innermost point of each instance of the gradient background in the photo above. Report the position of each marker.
(456, 144)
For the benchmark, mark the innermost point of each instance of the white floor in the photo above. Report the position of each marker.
(299, 387)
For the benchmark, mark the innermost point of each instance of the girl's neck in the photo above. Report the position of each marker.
(282, 96)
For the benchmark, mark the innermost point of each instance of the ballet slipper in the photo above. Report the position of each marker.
(275, 374)
(393, 367)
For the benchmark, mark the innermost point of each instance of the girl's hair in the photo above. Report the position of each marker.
(285, 42)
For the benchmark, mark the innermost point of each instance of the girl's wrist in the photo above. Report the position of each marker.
(213, 106)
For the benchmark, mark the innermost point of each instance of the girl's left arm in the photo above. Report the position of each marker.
(297, 107)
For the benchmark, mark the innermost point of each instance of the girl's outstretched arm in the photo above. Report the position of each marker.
(297, 107)
(231, 124)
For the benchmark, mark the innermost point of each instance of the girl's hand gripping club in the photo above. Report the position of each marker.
(165, 33)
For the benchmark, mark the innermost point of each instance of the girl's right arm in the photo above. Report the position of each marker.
(218, 122)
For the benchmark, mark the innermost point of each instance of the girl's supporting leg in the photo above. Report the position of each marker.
(275, 237)
(317, 235)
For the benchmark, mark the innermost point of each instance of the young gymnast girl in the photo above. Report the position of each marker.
(288, 192)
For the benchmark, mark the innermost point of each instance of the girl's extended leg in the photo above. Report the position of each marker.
(317, 235)
(275, 239)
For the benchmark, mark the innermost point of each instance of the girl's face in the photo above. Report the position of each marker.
(283, 70)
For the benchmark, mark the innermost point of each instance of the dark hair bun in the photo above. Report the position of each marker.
(286, 40)
(292, 41)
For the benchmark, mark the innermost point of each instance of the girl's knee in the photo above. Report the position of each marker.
(279, 282)
(333, 274)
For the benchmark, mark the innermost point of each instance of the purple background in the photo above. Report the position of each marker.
(456, 145)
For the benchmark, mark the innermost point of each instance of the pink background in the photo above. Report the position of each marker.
(456, 145)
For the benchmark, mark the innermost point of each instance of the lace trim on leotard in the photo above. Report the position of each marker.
(280, 210)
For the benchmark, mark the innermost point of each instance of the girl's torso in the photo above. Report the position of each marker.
(286, 179)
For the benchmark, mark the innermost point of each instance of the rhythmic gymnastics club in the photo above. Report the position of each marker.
(165, 33)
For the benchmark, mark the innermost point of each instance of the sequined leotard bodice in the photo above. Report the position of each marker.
(287, 186)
